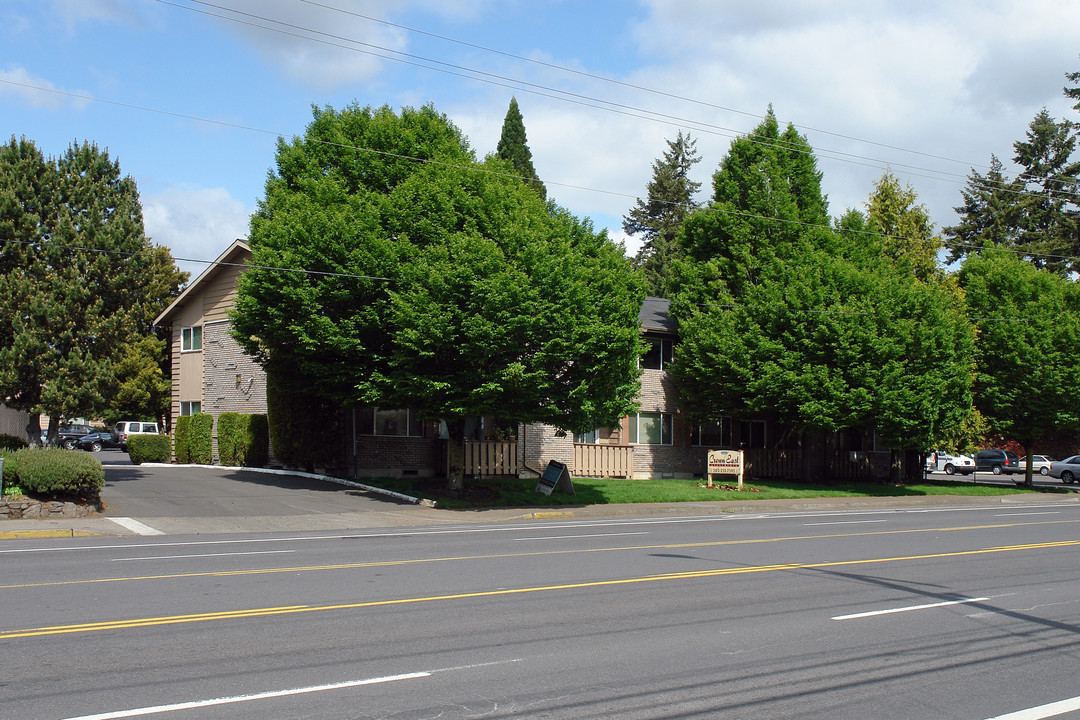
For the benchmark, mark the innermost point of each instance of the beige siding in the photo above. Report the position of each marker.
(219, 295)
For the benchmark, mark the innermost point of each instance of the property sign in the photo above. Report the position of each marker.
(556, 475)
(725, 462)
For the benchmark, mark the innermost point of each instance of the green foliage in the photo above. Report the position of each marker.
(298, 423)
(60, 473)
(182, 439)
(143, 390)
(657, 219)
(907, 232)
(450, 291)
(11, 442)
(514, 147)
(66, 307)
(242, 440)
(202, 439)
(1029, 337)
(11, 466)
(988, 215)
(781, 316)
(148, 448)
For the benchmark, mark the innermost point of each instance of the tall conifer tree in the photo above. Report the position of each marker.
(657, 219)
(513, 146)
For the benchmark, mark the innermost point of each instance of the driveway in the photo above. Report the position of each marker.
(206, 499)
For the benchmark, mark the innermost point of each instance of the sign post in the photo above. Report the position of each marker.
(725, 462)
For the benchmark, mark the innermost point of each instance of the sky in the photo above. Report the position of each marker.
(191, 97)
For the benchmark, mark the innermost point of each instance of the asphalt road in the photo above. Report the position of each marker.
(966, 613)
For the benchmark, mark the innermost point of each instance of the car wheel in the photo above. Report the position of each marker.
(1044, 470)
(949, 469)
(997, 469)
(95, 447)
(69, 444)
(1067, 477)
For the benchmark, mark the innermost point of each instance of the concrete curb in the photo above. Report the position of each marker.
(311, 476)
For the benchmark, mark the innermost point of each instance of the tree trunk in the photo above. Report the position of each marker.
(455, 454)
(33, 430)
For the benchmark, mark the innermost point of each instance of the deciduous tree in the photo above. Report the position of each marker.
(442, 286)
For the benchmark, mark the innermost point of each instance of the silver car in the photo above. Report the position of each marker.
(1068, 469)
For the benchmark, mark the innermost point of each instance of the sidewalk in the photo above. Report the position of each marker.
(421, 516)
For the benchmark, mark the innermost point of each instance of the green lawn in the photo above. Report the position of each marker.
(494, 492)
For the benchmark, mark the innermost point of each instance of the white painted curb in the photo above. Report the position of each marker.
(313, 476)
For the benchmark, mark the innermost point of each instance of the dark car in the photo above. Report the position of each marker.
(997, 461)
(69, 435)
(95, 442)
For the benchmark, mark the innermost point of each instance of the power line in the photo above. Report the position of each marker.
(476, 168)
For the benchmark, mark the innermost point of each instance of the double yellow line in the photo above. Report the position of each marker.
(291, 609)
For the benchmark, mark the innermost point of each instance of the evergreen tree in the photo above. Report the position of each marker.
(79, 280)
(988, 215)
(657, 219)
(904, 224)
(1047, 207)
(513, 147)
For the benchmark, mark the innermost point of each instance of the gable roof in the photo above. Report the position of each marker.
(235, 254)
(654, 316)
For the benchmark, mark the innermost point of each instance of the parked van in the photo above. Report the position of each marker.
(124, 428)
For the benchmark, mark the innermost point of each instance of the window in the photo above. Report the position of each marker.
(715, 434)
(752, 433)
(388, 423)
(660, 352)
(190, 407)
(191, 338)
(651, 428)
(588, 438)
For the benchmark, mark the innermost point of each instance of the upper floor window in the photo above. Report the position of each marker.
(660, 352)
(191, 338)
(190, 407)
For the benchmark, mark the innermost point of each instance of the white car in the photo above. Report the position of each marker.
(126, 428)
(1039, 464)
(953, 464)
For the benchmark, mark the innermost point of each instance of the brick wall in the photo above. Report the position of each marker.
(223, 362)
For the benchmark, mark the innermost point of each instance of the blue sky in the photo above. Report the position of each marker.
(191, 103)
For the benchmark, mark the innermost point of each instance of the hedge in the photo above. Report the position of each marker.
(194, 440)
(53, 472)
(11, 467)
(11, 442)
(148, 448)
(243, 440)
(202, 439)
(182, 439)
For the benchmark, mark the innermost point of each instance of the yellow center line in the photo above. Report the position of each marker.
(535, 553)
(696, 574)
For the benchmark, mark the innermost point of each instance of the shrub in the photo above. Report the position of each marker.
(59, 473)
(11, 467)
(148, 448)
(242, 439)
(182, 439)
(11, 442)
(202, 439)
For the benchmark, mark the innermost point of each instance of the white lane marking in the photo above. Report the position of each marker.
(138, 712)
(845, 522)
(1048, 512)
(203, 555)
(587, 535)
(1043, 711)
(909, 608)
(135, 526)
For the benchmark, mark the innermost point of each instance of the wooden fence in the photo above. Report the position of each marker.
(592, 460)
(489, 457)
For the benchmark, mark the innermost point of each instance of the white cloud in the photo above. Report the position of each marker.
(195, 223)
(35, 92)
(314, 45)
